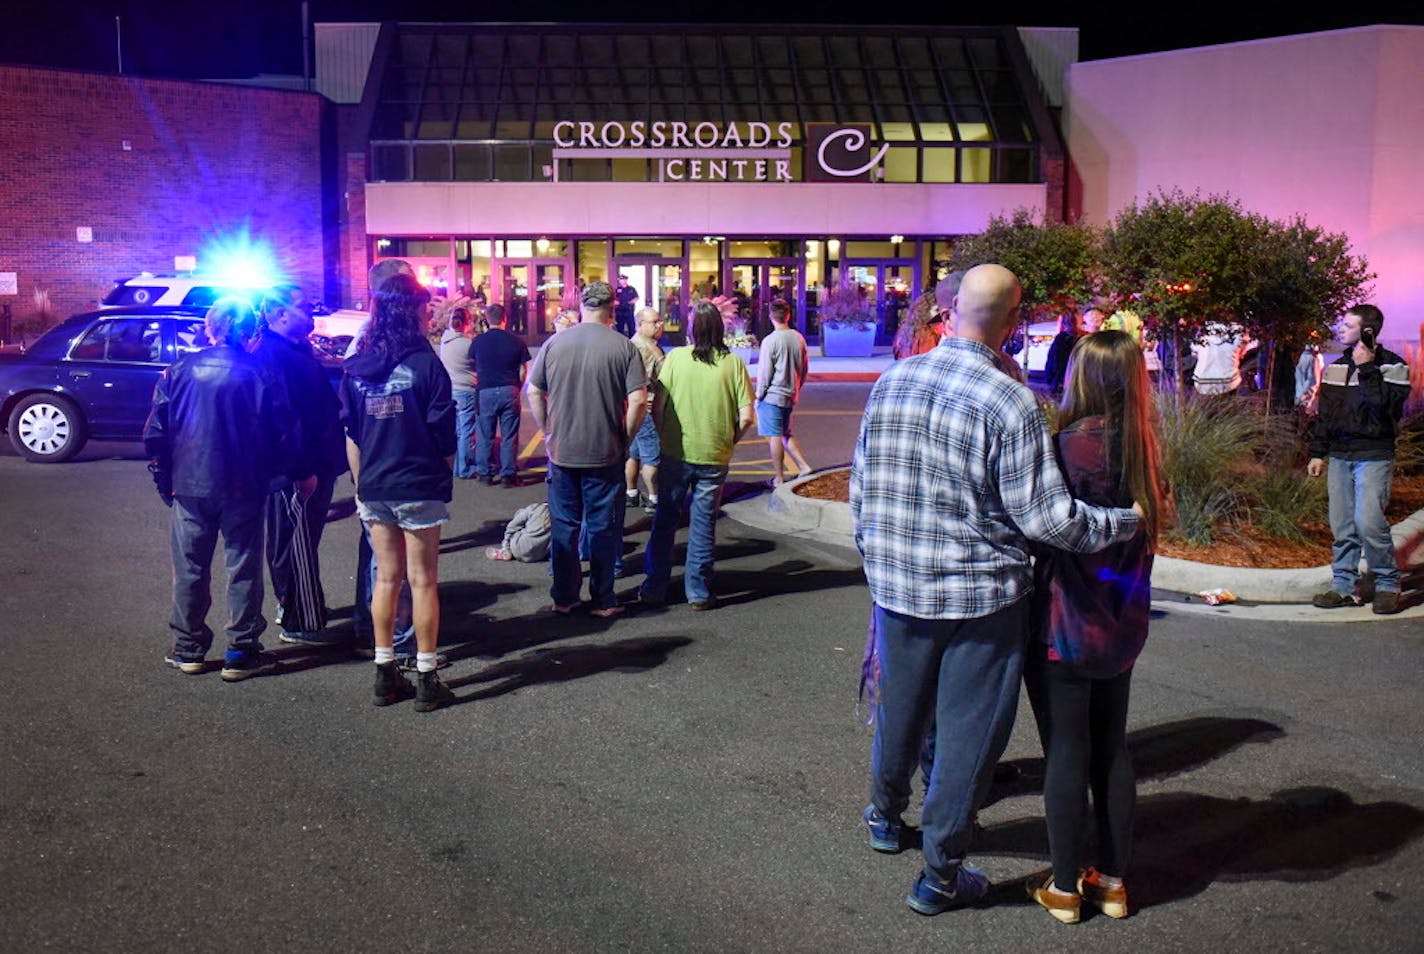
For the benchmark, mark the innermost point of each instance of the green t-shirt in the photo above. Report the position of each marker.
(699, 423)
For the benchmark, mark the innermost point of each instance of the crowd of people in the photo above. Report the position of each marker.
(996, 553)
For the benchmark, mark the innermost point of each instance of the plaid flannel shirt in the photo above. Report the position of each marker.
(954, 473)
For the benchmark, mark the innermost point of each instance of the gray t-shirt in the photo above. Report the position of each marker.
(587, 372)
(455, 355)
(782, 367)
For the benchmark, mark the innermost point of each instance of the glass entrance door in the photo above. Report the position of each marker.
(531, 292)
(886, 285)
(756, 283)
(659, 283)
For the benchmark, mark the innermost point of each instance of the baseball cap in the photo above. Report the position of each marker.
(597, 294)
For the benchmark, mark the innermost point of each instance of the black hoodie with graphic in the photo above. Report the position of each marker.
(402, 417)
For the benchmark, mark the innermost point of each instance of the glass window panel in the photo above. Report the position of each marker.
(974, 132)
(868, 250)
(845, 52)
(512, 129)
(949, 51)
(667, 50)
(585, 170)
(900, 165)
(897, 131)
(524, 49)
(472, 163)
(561, 76)
(542, 159)
(896, 115)
(809, 51)
(488, 49)
(191, 336)
(914, 52)
(1002, 87)
(888, 86)
(388, 164)
(559, 49)
(1012, 125)
(702, 50)
(986, 54)
(596, 50)
(511, 164)
(975, 165)
(632, 48)
(937, 165)
(630, 170)
(772, 50)
(432, 163)
(1016, 165)
(737, 50)
(936, 132)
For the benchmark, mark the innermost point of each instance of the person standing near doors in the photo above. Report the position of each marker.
(498, 357)
(626, 298)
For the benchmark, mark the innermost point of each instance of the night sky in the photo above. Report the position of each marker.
(224, 38)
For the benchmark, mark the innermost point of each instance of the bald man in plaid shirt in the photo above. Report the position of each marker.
(954, 475)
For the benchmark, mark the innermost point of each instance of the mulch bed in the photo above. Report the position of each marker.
(1234, 546)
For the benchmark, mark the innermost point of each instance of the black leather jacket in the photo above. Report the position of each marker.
(221, 427)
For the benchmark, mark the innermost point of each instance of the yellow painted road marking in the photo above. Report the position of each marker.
(534, 442)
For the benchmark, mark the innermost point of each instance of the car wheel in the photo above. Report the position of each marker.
(47, 428)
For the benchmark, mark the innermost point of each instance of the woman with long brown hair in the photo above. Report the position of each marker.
(399, 416)
(1091, 614)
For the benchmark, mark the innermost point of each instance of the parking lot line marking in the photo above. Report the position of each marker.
(534, 442)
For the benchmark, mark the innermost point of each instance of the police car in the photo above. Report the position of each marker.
(194, 290)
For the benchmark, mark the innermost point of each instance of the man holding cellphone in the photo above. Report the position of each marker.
(1362, 395)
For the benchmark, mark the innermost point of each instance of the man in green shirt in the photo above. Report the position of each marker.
(702, 408)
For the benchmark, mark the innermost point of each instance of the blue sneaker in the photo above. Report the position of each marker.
(928, 896)
(884, 832)
(240, 665)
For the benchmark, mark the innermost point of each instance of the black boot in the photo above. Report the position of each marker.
(431, 693)
(391, 685)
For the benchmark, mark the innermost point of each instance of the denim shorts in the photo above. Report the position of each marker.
(773, 420)
(406, 514)
(646, 449)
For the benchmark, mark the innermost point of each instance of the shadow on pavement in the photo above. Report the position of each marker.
(1159, 751)
(567, 663)
(1185, 841)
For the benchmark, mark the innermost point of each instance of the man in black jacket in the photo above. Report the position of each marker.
(1362, 395)
(220, 435)
(296, 512)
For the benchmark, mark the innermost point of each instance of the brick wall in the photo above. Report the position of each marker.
(204, 161)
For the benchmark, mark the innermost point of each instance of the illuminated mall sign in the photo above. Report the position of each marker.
(714, 152)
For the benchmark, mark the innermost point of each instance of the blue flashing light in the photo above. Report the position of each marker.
(240, 262)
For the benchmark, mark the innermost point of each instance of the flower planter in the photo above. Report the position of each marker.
(847, 341)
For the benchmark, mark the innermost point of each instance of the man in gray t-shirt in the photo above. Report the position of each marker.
(588, 393)
(781, 370)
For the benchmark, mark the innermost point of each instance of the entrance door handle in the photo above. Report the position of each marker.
(81, 374)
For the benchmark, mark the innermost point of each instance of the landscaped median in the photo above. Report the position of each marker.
(828, 521)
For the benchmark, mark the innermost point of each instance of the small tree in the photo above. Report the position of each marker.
(1302, 278)
(1176, 261)
(1056, 262)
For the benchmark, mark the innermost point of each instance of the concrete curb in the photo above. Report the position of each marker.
(828, 521)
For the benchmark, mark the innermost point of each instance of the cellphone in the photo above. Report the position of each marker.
(1367, 338)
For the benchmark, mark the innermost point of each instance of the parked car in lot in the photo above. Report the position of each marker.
(91, 377)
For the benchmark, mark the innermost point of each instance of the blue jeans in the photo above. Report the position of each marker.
(464, 433)
(592, 496)
(193, 537)
(498, 405)
(361, 611)
(677, 481)
(1359, 492)
(964, 675)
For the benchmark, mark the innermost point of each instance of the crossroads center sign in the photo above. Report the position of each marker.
(735, 152)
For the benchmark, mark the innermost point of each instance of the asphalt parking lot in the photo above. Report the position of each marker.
(674, 781)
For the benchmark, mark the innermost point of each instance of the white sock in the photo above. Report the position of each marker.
(652, 498)
(385, 654)
(425, 662)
